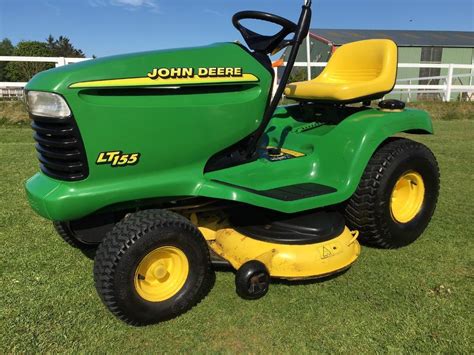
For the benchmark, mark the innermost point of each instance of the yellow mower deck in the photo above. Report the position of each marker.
(282, 260)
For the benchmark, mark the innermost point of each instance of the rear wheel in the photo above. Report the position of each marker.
(152, 267)
(396, 196)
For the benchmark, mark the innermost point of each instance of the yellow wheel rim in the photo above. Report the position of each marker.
(407, 197)
(161, 274)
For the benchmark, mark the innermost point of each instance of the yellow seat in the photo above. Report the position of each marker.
(356, 72)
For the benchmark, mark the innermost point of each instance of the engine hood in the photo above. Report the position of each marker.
(143, 65)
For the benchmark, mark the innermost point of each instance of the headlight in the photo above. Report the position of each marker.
(47, 104)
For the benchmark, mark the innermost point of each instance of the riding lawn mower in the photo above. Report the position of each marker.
(170, 163)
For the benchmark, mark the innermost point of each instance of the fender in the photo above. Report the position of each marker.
(356, 139)
(336, 156)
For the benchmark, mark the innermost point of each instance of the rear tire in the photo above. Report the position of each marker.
(372, 209)
(152, 267)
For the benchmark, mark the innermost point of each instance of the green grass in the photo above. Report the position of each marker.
(13, 113)
(416, 299)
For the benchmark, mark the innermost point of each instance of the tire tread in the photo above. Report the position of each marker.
(122, 237)
(69, 238)
(360, 209)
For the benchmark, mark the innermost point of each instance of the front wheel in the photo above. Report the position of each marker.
(396, 196)
(152, 267)
(67, 233)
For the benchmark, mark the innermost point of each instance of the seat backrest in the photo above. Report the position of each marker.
(368, 60)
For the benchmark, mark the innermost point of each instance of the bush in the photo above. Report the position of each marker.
(447, 111)
(13, 113)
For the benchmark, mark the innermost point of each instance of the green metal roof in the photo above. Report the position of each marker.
(456, 39)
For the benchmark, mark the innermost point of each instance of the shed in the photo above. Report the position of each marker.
(440, 47)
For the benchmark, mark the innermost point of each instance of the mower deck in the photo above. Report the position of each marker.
(286, 256)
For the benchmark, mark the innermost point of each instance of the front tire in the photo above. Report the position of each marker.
(152, 267)
(69, 236)
(396, 196)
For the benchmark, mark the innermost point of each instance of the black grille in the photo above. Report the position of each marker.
(60, 148)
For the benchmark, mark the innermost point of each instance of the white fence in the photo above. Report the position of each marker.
(444, 85)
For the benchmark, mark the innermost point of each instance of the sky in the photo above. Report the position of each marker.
(108, 27)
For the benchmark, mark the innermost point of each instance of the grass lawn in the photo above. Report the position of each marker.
(416, 299)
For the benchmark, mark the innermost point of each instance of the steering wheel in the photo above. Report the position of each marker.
(261, 43)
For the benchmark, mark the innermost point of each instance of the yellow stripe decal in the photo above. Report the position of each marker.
(292, 152)
(146, 81)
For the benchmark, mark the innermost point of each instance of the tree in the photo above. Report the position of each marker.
(24, 71)
(62, 47)
(298, 74)
(6, 48)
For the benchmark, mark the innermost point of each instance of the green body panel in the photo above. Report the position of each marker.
(177, 133)
(336, 156)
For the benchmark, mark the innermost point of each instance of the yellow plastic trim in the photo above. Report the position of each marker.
(148, 82)
(355, 235)
(356, 70)
(161, 274)
(407, 197)
(388, 110)
(293, 153)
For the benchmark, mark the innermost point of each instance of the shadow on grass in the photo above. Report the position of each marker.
(89, 253)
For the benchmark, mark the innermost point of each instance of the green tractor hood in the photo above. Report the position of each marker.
(159, 116)
(139, 65)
